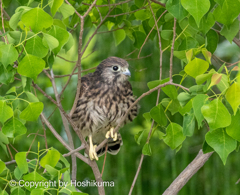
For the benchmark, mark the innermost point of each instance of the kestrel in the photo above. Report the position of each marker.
(105, 96)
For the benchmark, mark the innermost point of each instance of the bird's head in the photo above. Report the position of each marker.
(113, 70)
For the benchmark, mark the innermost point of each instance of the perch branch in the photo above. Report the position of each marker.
(187, 173)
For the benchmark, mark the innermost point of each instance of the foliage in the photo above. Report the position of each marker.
(38, 32)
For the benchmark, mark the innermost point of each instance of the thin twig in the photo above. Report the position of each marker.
(68, 75)
(32, 142)
(127, 13)
(79, 15)
(151, 32)
(10, 152)
(75, 150)
(107, 5)
(172, 49)
(3, 21)
(66, 59)
(66, 127)
(159, 3)
(130, 59)
(104, 161)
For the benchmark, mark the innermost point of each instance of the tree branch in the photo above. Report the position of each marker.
(187, 173)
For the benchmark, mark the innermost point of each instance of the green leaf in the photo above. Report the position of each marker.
(172, 105)
(3, 138)
(228, 12)
(167, 34)
(119, 36)
(139, 38)
(196, 67)
(61, 35)
(197, 104)
(66, 10)
(37, 192)
(34, 46)
(21, 161)
(139, 3)
(206, 23)
(8, 54)
(200, 79)
(207, 55)
(51, 158)
(32, 112)
(170, 91)
(147, 149)
(7, 74)
(69, 44)
(142, 14)
(5, 111)
(183, 96)
(212, 40)
(188, 43)
(216, 78)
(195, 89)
(223, 84)
(174, 136)
(52, 171)
(147, 116)
(31, 97)
(186, 108)
(216, 114)
(55, 6)
(37, 19)
(222, 143)
(188, 124)
(12, 90)
(176, 9)
(153, 84)
(50, 41)
(17, 173)
(14, 128)
(233, 128)
(230, 31)
(31, 66)
(2, 166)
(206, 148)
(232, 96)
(139, 136)
(13, 22)
(35, 177)
(197, 8)
(157, 113)
(18, 191)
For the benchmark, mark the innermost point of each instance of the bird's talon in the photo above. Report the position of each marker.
(110, 134)
(92, 152)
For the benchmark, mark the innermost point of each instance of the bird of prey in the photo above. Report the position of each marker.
(105, 96)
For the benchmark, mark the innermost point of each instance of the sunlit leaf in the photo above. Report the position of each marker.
(196, 67)
(216, 114)
(6, 111)
(32, 112)
(37, 19)
(174, 136)
(222, 143)
(233, 96)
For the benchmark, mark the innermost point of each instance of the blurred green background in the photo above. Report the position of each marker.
(159, 170)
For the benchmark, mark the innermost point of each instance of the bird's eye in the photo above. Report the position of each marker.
(115, 68)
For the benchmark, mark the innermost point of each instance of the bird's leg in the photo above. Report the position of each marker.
(92, 152)
(110, 134)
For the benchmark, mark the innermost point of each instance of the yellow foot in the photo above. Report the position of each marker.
(92, 151)
(110, 134)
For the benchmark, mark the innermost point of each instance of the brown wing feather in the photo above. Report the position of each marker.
(85, 84)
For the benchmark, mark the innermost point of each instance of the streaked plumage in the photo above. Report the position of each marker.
(105, 96)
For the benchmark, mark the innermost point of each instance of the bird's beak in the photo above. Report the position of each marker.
(127, 72)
